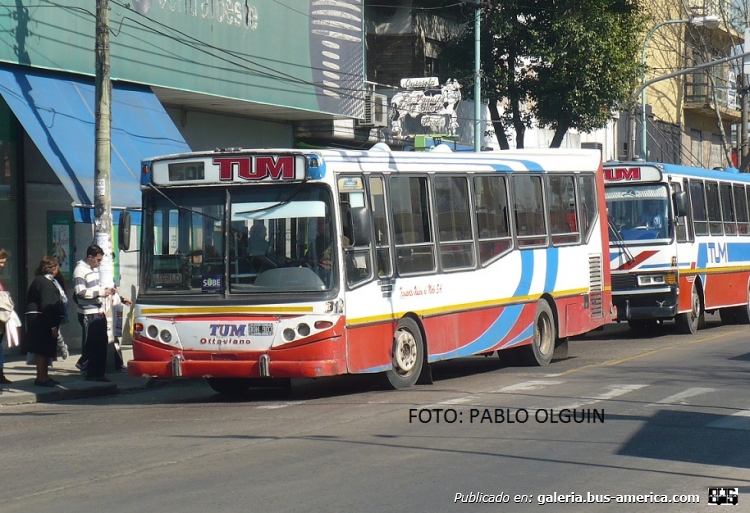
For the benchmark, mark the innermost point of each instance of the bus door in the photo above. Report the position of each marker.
(367, 270)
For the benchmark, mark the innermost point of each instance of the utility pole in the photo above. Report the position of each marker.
(743, 81)
(742, 146)
(103, 145)
(478, 132)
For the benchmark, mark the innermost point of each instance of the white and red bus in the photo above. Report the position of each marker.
(679, 243)
(288, 263)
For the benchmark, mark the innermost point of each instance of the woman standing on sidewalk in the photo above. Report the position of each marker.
(45, 310)
(6, 310)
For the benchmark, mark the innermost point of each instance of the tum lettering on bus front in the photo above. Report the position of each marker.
(227, 330)
(617, 174)
(256, 168)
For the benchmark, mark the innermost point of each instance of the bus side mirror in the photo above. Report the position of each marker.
(680, 203)
(360, 226)
(123, 231)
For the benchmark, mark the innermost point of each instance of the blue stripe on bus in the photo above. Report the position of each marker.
(496, 332)
(528, 332)
(552, 265)
(738, 251)
(702, 256)
(527, 273)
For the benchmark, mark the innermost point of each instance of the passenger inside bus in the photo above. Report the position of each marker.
(256, 242)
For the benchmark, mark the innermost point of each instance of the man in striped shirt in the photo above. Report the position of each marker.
(89, 295)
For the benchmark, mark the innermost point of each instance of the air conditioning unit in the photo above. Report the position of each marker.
(376, 110)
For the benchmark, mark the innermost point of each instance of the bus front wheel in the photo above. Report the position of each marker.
(229, 386)
(689, 322)
(407, 356)
(542, 347)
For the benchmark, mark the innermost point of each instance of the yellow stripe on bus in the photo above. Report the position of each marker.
(716, 270)
(462, 308)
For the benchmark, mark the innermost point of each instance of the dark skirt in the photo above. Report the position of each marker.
(39, 337)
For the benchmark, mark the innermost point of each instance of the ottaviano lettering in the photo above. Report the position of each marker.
(616, 174)
(256, 168)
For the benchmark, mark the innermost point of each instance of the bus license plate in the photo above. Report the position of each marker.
(263, 329)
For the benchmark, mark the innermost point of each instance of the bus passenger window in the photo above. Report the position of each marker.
(454, 224)
(529, 210)
(562, 210)
(491, 211)
(380, 222)
(740, 203)
(698, 202)
(715, 223)
(727, 209)
(415, 250)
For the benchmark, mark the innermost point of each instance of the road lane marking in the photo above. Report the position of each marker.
(614, 391)
(525, 386)
(740, 420)
(680, 397)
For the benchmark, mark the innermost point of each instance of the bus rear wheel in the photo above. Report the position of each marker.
(542, 347)
(689, 322)
(229, 386)
(407, 356)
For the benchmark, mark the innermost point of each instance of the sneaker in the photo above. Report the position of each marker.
(102, 379)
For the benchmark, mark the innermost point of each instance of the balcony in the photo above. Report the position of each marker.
(699, 97)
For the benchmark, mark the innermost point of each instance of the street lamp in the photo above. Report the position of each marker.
(710, 22)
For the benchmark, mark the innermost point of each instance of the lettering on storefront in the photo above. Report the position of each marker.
(233, 14)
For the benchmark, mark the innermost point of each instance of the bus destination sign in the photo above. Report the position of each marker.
(234, 168)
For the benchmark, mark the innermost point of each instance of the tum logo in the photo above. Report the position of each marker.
(717, 252)
(617, 174)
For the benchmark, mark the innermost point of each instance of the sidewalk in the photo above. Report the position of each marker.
(72, 385)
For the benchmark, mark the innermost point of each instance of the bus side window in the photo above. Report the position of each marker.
(727, 209)
(715, 223)
(528, 206)
(588, 204)
(562, 210)
(681, 224)
(698, 204)
(491, 210)
(454, 224)
(740, 204)
(409, 202)
(380, 222)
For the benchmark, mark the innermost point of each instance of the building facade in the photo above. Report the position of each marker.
(691, 118)
(186, 75)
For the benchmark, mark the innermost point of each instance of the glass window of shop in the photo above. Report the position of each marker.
(9, 199)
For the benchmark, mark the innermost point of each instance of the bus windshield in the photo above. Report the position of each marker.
(639, 213)
(271, 239)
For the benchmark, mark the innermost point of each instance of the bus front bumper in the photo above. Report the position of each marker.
(660, 305)
(325, 357)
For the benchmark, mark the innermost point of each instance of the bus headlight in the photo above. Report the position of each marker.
(646, 280)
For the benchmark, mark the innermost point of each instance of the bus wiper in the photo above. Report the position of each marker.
(180, 207)
(620, 242)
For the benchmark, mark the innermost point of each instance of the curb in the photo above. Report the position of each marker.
(63, 392)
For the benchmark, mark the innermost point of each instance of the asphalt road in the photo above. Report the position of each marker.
(662, 416)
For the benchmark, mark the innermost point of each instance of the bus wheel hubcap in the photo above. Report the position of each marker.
(406, 352)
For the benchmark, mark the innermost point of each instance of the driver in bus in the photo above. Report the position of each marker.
(651, 218)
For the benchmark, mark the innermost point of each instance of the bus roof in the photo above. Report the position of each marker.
(695, 172)
(380, 158)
